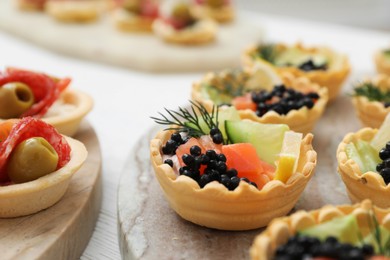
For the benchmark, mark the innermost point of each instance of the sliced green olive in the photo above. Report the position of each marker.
(15, 99)
(181, 11)
(31, 159)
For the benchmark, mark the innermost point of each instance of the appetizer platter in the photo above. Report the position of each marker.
(63, 230)
(120, 48)
(149, 227)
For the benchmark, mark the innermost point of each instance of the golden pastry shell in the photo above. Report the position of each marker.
(361, 185)
(382, 63)
(30, 197)
(67, 123)
(74, 10)
(222, 14)
(302, 120)
(372, 113)
(244, 208)
(202, 32)
(332, 78)
(279, 230)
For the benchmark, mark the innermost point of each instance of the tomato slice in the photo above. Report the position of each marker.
(46, 89)
(29, 127)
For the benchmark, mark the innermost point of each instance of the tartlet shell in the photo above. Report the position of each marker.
(204, 31)
(332, 78)
(382, 64)
(74, 11)
(302, 120)
(30, 197)
(279, 230)
(69, 123)
(244, 208)
(222, 15)
(128, 22)
(360, 186)
(372, 113)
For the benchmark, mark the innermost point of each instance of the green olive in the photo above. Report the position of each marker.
(31, 159)
(15, 99)
(181, 11)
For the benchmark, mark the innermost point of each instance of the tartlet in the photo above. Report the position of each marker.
(221, 14)
(74, 10)
(244, 208)
(136, 16)
(33, 196)
(177, 25)
(279, 230)
(361, 185)
(382, 61)
(331, 76)
(372, 112)
(47, 97)
(302, 120)
(31, 5)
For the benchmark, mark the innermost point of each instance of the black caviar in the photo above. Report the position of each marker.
(173, 143)
(384, 167)
(282, 100)
(309, 65)
(301, 247)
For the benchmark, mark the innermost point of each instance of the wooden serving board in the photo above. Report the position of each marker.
(63, 230)
(150, 229)
(101, 41)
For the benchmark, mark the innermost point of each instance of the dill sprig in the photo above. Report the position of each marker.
(383, 246)
(372, 92)
(267, 52)
(188, 120)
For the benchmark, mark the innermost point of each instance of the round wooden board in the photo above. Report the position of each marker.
(150, 229)
(101, 41)
(63, 230)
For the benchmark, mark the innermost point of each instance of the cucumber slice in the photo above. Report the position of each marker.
(382, 136)
(224, 113)
(346, 229)
(267, 138)
(352, 153)
(370, 157)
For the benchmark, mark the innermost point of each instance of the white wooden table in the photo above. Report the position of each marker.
(124, 100)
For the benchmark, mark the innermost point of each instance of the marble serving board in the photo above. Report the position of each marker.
(150, 229)
(101, 41)
(63, 230)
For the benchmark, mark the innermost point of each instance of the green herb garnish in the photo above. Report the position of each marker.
(383, 246)
(228, 82)
(386, 52)
(188, 121)
(267, 52)
(372, 92)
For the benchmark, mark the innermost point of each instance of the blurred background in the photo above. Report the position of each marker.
(373, 14)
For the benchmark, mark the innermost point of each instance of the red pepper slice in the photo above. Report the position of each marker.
(29, 127)
(46, 89)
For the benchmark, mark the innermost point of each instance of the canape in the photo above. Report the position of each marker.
(31, 5)
(364, 164)
(296, 102)
(26, 93)
(177, 25)
(360, 231)
(79, 11)
(136, 15)
(36, 165)
(225, 173)
(321, 65)
(371, 99)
